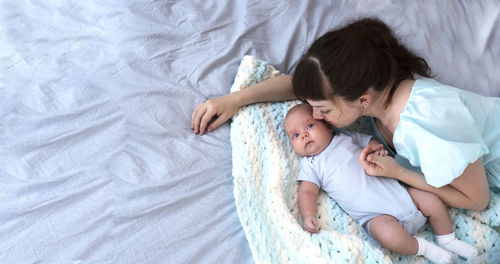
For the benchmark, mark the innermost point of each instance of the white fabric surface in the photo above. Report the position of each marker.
(98, 160)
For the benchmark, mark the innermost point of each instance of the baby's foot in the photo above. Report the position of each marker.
(433, 252)
(461, 248)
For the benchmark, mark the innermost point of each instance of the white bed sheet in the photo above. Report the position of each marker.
(98, 160)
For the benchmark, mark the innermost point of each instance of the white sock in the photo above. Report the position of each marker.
(433, 252)
(461, 248)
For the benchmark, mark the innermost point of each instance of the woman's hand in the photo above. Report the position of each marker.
(375, 163)
(310, 225)
(211, 114)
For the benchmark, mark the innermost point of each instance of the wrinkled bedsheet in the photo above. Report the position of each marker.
(98, 161)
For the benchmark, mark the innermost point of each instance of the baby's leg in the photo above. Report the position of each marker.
(389, 233)
(432, 207)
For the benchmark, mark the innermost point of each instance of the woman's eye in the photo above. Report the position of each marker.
(325, 111)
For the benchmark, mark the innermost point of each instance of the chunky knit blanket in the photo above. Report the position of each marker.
(265, 191)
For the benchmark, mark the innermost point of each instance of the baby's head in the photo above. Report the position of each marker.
(308, 136)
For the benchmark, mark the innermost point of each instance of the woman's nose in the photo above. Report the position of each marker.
(317, 114)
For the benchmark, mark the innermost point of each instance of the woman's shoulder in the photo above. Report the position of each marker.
(429, 95)
(430, 84)
(434, 89)
(438, 110)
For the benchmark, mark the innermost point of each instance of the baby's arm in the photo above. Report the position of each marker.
(308, 196)
(377, 148)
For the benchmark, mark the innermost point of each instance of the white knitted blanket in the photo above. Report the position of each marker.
(265, 191)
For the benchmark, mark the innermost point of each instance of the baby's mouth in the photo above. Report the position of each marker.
(308, 142)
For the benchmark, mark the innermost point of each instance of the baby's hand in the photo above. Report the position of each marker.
(377, 149)
(378, 165)
(310, 224)
(381, 153)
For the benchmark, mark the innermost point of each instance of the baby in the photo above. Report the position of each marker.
(386, 211)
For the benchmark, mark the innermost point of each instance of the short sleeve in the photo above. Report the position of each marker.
(307, 173)
(361, 139)
(439, 135)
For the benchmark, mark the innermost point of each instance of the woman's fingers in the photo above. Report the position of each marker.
(193, 116)
(216, 123)
(198, 118)
(373, 159)
(209, 114)
(364, 154)
(212, 113)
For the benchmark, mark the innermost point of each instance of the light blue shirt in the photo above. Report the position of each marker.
(442, 130)
(336, 170)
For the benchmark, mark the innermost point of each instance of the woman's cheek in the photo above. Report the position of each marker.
(332, 120)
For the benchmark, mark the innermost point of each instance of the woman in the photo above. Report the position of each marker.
(448, 134)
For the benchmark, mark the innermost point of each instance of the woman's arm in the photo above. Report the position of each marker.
(222, 108)
(468, 191)
(308, 197)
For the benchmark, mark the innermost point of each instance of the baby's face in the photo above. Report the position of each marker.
(308, 136)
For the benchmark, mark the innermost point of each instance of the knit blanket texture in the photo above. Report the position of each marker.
(265, 192)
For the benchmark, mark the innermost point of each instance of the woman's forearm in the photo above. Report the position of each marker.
(452, 194)
(274, 89)
(449, 195)
(468, 191)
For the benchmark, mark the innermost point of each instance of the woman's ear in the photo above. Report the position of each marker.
(365, 100)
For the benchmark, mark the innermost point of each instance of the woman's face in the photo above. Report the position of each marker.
(339, 114)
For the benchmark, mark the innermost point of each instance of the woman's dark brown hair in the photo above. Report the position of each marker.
(347, 61)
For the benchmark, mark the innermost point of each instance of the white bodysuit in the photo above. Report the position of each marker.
(338, 172)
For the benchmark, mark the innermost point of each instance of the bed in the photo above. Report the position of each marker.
(99, 163)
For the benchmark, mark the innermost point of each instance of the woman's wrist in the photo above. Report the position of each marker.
(235, 97)
(398, 171)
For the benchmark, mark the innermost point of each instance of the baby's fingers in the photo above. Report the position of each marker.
(377, 147)
(310, 229)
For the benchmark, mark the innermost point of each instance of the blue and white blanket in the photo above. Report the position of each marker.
(265, 191)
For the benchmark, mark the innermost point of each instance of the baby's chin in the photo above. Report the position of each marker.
(307, 153)
(302, 153)
(315, 151)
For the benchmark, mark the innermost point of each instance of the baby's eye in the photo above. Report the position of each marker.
(310, 126)
(295, 135)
